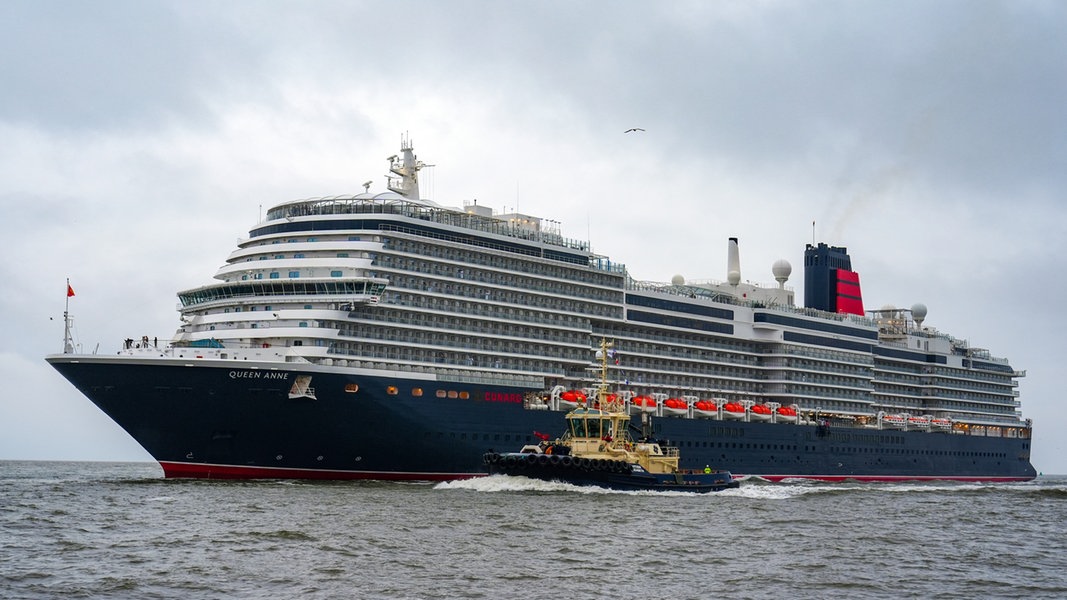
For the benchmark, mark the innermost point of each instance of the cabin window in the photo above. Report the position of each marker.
(294, 274)
(335, 273)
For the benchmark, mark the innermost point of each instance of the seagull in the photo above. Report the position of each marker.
(633, 129)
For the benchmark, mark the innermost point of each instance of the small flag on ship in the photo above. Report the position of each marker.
(70, 290)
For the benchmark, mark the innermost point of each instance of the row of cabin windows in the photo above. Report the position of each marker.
(292, 275)
(301, 255)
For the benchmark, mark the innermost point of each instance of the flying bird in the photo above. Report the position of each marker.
(633, 129)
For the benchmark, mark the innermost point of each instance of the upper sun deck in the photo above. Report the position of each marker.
(390, 203)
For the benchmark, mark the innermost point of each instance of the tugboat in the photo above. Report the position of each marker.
(597, 450)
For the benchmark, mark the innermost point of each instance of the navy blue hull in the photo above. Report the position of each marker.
(209, 418)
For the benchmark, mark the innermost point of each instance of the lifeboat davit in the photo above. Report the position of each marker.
(571, 399)
(643, 404)
(705, 409)
(760, 412)
(676, 406)
(786, 413)
(733, 410)
(894, 421)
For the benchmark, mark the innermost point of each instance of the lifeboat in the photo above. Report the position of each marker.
(894, 421)
(571, 399)
(786, 413)
(643, 404)
(760, 412)
(922, 422)
(675, 406)
(941, 424)
(705, 409)
(733, 410)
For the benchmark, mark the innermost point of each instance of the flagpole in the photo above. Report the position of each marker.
(68, 342)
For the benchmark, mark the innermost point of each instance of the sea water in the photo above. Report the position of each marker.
(119, 530)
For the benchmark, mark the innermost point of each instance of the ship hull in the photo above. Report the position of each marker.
(243, 420)
(612, 475)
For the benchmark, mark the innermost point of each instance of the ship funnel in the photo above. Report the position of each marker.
(733, 263)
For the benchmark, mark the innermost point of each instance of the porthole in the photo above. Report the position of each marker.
(391, 390)
(416, 392)
(351, 388)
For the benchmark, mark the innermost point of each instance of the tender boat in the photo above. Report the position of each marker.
(597, 450)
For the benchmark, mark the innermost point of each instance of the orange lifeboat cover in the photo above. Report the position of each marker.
(644, 401)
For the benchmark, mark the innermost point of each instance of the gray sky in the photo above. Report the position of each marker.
(141, 139)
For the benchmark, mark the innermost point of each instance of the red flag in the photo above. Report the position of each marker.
(541, 436)
(70, 291)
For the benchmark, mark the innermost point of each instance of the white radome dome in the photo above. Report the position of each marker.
(918, 311)
(781, 269)
(677, 280)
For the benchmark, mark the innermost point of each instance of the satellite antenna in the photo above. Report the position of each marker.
(366, 186)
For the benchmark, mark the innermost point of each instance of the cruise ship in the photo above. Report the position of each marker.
(385, 336)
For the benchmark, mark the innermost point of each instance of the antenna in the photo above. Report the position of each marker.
(813, 233)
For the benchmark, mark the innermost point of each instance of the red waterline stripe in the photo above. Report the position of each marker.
(214, 471)
(885, 478)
